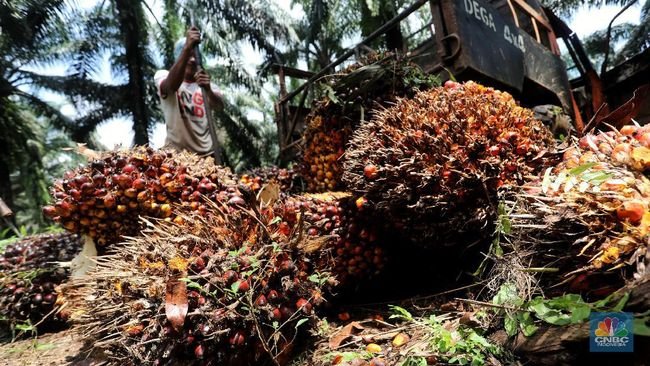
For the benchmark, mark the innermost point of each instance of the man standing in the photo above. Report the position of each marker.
(181, 91)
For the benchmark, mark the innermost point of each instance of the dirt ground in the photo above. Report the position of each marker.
(53, 349)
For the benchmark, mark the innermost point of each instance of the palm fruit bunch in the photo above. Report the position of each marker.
(433, 164)
(29, 276)
(589, 215)
(287, 179)
(237, 285)
(105, 198)
(353, 95)
(351, 233)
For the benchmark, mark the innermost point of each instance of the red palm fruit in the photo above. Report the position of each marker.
(304, 305)
(139, 184)
(198, 351)
(49, 211)
(230, 276)
(238, 338)
(370, 171)
(261, 300)
(286, 312)
(243, 286)
(129, 168)
(131, 192)
(276, 314)
(273, 296)
(632, 211)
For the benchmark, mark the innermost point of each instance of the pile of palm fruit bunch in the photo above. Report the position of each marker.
(233, 285)
(105, 198)
(29, 276)
(432, 165)
(287, 180)
(352, 96)
(589, 216)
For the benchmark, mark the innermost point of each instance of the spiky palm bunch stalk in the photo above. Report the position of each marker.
(237, 285)
(352, 96)
(585, 223)
(105, 198)
(433, 164)
(29, 276)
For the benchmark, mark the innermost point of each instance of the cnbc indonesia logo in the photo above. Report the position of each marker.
(612, 333)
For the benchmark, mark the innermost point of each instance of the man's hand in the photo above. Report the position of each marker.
(203, 79)
(193, 37)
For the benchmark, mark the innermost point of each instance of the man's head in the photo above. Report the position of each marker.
(191, 66)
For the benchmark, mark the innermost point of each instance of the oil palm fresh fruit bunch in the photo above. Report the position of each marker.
(237, 285)
(433, 163)
(105, 198)
(587, 220)
(29, 275)
(629, 146)
(334, 222)
(352, 96)
(287, 180)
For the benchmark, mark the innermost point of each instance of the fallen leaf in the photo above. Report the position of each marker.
(176, 302)
(469, 319)
(373, 348)
(345, 333)
(401, 339)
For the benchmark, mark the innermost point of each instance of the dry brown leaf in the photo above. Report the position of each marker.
(469, 319)
(176, 302)
(269, 194)
(328, 196)
(345, 333)
(311, 245)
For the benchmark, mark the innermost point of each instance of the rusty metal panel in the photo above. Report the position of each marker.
(489, 43)
(547, 70)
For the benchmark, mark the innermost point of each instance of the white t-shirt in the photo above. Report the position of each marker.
(187, 124)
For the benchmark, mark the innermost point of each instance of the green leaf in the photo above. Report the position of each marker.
(44, 346)
(581, 169)
(526, 323)
(640, 326)
(580, 314)
(275, 220)
(301, 322)
(25, 327)
(235, 286)
(498, 250)
(597, 177)
(621, 303)
(400, 312)
(507, 295)
(510, 324)
(529, 329)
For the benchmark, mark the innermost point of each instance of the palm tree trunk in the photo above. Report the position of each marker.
(132, 25)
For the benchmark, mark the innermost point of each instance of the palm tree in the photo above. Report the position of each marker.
(28, 29)
(600, 44)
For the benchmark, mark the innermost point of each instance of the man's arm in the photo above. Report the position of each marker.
(177, 71)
